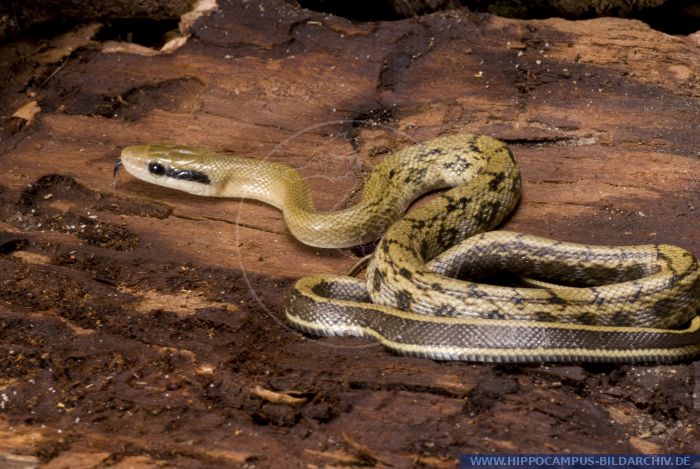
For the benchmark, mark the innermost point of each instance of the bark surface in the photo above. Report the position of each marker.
(144, 327)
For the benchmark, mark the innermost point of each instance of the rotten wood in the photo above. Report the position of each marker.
(34, 15)
(134, 323)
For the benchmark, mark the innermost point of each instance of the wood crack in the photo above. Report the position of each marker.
(229, 222)
(408, 387)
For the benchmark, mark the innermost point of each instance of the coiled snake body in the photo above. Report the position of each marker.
(571, 302)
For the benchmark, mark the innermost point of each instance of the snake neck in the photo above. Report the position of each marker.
(283, 187)
(466, 161)
(391, 187)
(276, 184)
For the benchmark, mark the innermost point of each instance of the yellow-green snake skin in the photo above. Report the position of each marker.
(571, 302)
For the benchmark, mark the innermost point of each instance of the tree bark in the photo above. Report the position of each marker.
(144, 327)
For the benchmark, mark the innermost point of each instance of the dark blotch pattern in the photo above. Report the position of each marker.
(377, 280)
(404, 300)
(556, 299)
(445, 311)
(544, 316)
(496, 181)
(416, 176)
(586, 318)
(485, 215)
(495, 314)
(620, 319)
(459, 204)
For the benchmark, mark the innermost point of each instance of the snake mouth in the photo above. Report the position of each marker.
(117, 164)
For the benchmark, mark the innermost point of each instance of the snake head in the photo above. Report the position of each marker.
(178, 167)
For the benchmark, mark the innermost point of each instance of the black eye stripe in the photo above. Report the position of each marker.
(157, 168)
(188, 175)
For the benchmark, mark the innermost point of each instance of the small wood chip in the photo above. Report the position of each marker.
(336, 456)
(28, 111)
(364, 453)
(277, 397)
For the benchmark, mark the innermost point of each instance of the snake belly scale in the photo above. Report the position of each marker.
(421, 297)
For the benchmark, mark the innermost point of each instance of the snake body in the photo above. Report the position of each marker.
(422, 297)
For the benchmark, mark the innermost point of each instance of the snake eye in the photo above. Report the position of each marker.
(156, 168)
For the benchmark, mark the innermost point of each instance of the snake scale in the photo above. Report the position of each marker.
(429, 290)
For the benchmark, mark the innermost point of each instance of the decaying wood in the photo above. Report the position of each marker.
(134, 323)
(408, 8)
(16, 17)
(510, 8)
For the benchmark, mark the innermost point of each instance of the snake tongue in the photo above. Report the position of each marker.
(117, 165)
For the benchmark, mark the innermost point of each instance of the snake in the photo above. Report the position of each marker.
(443, 283)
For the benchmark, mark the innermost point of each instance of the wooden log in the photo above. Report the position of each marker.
(36, 15)
(137, 324)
